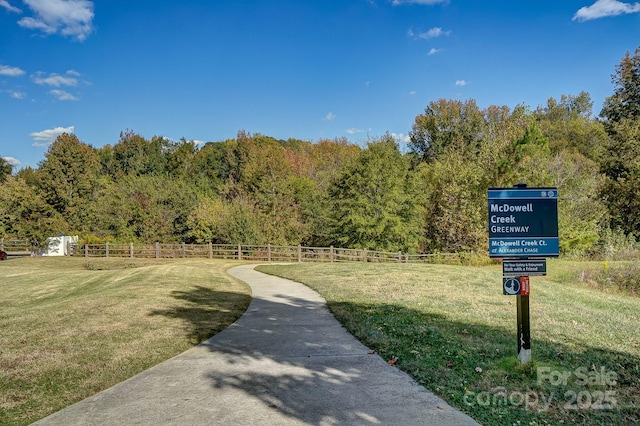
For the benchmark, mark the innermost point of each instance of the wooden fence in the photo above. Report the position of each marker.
(15, 247)
(260, 253)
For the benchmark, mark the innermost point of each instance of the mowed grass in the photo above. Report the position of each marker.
(451, 328)
(71, 327)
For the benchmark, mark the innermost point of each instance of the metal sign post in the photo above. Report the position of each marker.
(523, 226)
(524, 329)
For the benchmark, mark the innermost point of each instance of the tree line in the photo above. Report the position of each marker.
(255, 189)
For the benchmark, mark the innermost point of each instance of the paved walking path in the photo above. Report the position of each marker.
(286, 361)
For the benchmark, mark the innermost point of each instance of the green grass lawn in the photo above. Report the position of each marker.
(451, 328)
(71, 327)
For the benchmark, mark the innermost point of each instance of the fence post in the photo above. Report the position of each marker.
(364, 255)
(184, 251)
(210, 250)
(239, 252)
(157, 248)
(131, 250)
(86, 250)
(268, 252)
(331, 254)
(299, 253)
(106, 249)
(400, 256)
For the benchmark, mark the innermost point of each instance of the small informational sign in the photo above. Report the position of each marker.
(516, 286)
(523, 222)
(529, 267)
(524, 286)
(511, 286)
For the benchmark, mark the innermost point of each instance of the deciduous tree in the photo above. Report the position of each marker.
(25, 214)
(447, 125)
(621, 159)
(220, 221)
(374, 201)
(568, 125)
(5, 169)
(146, 209)
(68, 177)
(625, 101)
(454, 205)
(180, 158)
(134, 155)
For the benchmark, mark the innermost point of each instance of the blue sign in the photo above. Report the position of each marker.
(523, 222)
(511, 286)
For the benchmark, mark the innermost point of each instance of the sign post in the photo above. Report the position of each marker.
(524, 329)
(523, 226)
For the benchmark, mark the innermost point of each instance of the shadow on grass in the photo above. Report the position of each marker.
(475, 369)
(205, 312)
(288, 354)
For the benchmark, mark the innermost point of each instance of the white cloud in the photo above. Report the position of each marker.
(195, 142)
(330, 116)
(71, 18)
(461, 83)
(400, 138)
(6, 5)
(412, 93)
(56, 80)
(17, 95)
(434, 32)
(62, 95)
(13, 161)
(46, 137)
(353, 131)
(605, 8)
(433, 51)
(10, 71)
(427, 2)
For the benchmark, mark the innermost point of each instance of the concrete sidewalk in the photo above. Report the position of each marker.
(286, 361)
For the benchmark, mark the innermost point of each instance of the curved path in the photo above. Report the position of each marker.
(286, 361)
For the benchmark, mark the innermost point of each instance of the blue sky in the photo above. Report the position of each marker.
(204, 69)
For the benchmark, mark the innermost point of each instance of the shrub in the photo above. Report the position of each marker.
(624, 278)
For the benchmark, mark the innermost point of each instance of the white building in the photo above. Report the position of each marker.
(59, 246)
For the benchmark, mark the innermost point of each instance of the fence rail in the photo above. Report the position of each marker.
(266, 253)
(15, 246)
(259, 253)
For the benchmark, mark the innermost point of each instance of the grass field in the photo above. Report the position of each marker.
(71, 327)
(451, 328)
